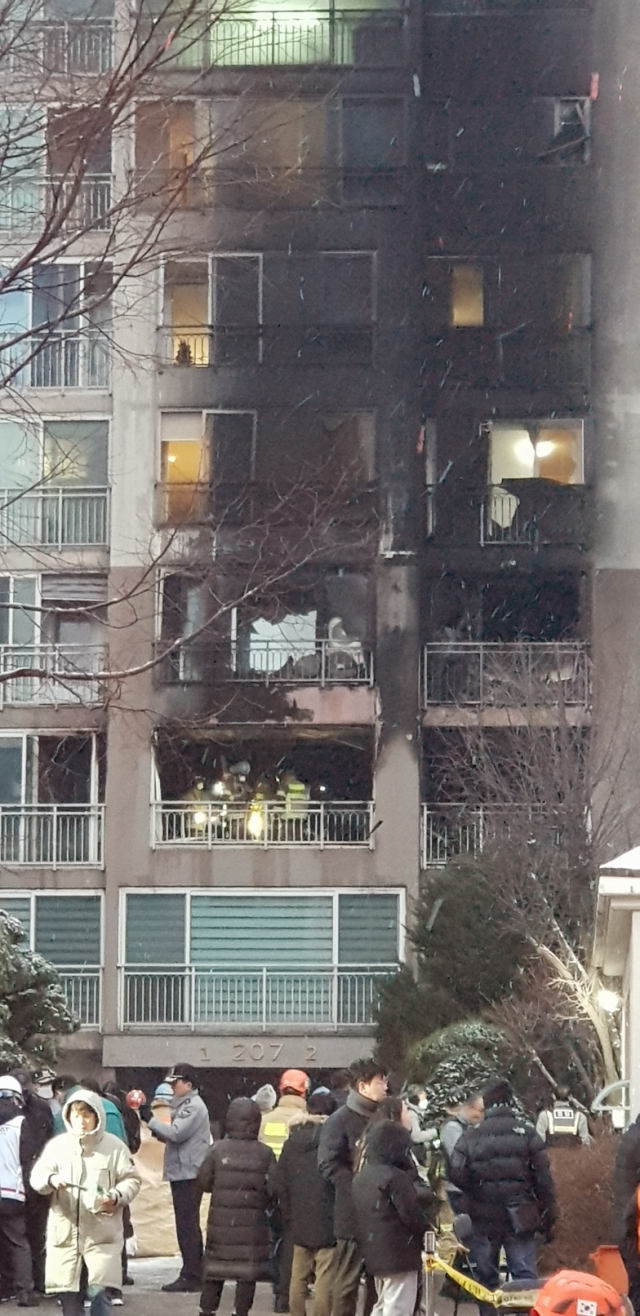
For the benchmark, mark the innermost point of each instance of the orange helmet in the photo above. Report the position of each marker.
(575, 1293)
(296, 1079)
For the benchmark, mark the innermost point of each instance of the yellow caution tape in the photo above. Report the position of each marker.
(521, 1299)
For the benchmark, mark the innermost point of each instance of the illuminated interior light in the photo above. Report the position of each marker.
(544, 447)
(255, 824)
(199, 818)
(524, 452)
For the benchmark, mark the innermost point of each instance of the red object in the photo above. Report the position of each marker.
(297, 1080)
(574, 1293)
(608, 1265)
(136, 1098)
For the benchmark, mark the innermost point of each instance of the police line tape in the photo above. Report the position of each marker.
(520, 1300)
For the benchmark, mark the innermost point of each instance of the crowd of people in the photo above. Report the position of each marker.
(328, 1187)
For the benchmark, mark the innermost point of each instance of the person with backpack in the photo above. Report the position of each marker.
(240, 1173)
(306, 1203)
(390, 1221)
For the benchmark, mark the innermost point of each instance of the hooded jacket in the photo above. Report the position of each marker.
(336, 1156)
(626, 1177)
(503, 1170)
(87, 1164)
(306, 1197)
(187, 1137)
(389, 1219)
(239, 1172)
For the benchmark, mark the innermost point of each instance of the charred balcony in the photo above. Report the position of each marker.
(505, 683)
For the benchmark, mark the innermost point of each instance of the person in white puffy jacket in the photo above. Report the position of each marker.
(90, 1177)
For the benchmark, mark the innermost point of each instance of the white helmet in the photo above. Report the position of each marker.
(10, 1087)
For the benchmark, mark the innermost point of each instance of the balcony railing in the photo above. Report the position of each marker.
(451, 830)
(88, 203)
(66, 674)
(52, 835)
(506, 675)
(173, 995)
(538, 514)
(270, 662)
(83, 990)
(54, 518)
(367, 39)
(68, 360)
(81, 47)
(242, 345)
(209, 823)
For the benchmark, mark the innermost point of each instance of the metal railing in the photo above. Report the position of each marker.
(505, 518)
(240, 345)
(506, 675)
(449, 830)
(290, 37)
(65, 677)
(54, 517)
(270, 662)
(88, 203)
(209, 823)
(83, 990)
(69, 360)
(168, 995)
(81, 47)
(52, 835)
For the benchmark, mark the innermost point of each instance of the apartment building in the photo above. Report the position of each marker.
(302, 501)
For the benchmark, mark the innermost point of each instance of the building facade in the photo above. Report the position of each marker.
(293, 509)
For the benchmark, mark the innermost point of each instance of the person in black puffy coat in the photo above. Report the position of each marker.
(626, 1179)
(306, 1203)
(240, 1174)
(389, 1217)
(503, 1172)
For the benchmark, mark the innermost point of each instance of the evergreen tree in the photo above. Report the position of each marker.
(33, 1008)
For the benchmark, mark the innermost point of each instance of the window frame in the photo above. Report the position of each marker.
(34, 895)
(528, 423)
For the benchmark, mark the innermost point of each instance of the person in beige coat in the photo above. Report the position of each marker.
(90, 1176)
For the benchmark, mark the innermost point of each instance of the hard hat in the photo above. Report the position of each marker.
(10, 1087)
(575, 1293)
(296, 1079)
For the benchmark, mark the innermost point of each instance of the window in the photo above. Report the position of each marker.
(71, 315)
(321, 289)
(571, 131)
(70, 454)
(467, 296)
(372, 149)
(167, 149)
(268, 136)
(185, 466)
(51, 769)
(17, 610)
(237, 309)
(66, 930)
(548, 450)
(22, 155)
(185, 604)
(186, 294)
(198, 448)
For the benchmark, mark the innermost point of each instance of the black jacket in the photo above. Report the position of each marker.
(39, 1118)
(239, 1172)
(306, 1197)
(390, 1221)
(336, 1155)
(626, 1177)
(503, 1170)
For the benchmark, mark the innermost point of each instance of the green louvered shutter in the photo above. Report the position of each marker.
(68, 929)
(249, 932)
(19, 907)
(155, 929)
(368, 929)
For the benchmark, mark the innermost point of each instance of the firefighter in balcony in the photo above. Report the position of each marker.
(563, 1125)
(296, 805)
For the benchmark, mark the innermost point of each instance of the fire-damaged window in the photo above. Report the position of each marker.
(531, 463)
(185, 642)
(203, 452)
(318, 632)
(517, 295)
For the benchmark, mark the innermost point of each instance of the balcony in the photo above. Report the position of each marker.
(85, 204)
(68, 360)
(237, 346)
(507, 676)
(337, 37)
(54, 518)
(534, 513)
(177, 996)
(209, 824)
(75, 48)
(52, 835)
(269, 662)
(450, 831)
(83, 992)
(63, 674)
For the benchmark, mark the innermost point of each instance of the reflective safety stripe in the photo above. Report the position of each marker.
(563, 1119)
(274, 1134)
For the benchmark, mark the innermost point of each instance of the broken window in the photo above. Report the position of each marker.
(319, 632)
(238, 769)
(571, 140)
(185, 606)
(237, 309)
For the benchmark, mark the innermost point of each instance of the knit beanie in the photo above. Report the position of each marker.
(265, 1098)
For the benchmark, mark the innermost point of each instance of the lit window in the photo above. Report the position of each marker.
(545, 450)
(467, 296)
(185, 466)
